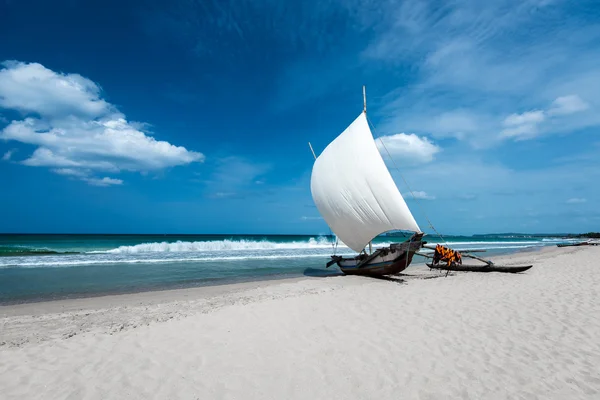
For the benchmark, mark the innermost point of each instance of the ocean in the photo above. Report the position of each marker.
(48, 267)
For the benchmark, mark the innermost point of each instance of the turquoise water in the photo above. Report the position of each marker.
(42, 267)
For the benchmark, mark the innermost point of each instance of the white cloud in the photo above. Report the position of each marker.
(407, 147)
(8, 155)
(523, 126)
(35, 88)
(531, 123)
(111, 144)
(304, 218)
(419, 195)
(530, 117)
(521, 132)
(566, 105)
(71, 172)
(84, 175)
(76, 129)
(43, 157)
(104, 181)
(576, 200)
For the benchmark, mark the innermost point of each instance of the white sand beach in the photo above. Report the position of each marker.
(534, 335)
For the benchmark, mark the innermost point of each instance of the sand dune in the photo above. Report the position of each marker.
(493, 336)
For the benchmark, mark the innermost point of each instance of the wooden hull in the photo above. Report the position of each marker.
(482, 268)
(384, 261)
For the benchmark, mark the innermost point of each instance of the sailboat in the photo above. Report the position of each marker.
(357, 197)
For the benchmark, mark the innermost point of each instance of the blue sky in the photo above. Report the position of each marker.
(194, 116)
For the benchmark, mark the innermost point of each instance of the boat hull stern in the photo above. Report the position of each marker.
(384, 261)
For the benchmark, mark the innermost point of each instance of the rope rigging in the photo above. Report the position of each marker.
(334, 245)
(405, 182)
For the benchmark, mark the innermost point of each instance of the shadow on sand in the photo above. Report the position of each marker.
(323, 273)
(390, 278)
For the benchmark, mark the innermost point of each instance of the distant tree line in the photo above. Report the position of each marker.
(589, 235)
(593, 235)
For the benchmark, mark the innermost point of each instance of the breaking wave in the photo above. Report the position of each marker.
(220, 245)
(11, 251)
(65, 262)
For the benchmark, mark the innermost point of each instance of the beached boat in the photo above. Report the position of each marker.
(572, 244)
(357, 197)
(589, 242)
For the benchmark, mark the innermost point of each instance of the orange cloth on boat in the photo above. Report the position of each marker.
(447, 254)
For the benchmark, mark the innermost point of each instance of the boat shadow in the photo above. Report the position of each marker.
(321, 273)
(390, 278)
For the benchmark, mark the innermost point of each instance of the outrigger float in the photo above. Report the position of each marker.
(357, 197)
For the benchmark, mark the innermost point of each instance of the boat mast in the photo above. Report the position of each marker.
(364, 99)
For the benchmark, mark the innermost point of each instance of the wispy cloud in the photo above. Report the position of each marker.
(77, 173)
(75, 128)
(476, 65)
(7, 156)
(236, 177)
(531, 123)
(104, 181)
(506, 195)
(418, 195)
(84, 176)
(302, 63)
(203, 28)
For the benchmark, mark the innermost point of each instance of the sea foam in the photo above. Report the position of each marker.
(221, 245)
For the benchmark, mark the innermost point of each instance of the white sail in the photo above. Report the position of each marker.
(354, 191)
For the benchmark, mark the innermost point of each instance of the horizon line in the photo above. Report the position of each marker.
(277, 234)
